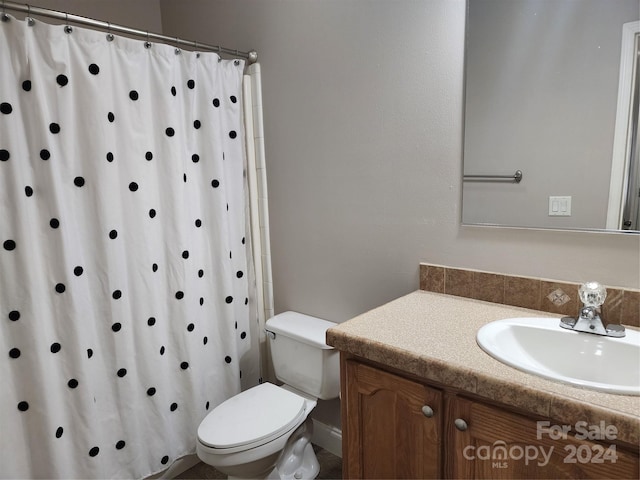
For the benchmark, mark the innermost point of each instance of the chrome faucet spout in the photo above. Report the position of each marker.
(589, 321)
(589, 313)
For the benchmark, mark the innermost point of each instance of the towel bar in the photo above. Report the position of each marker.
(516, 177)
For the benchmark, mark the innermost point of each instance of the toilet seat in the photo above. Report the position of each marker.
(251, 418)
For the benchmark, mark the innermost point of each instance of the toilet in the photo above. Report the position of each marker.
(265, 432)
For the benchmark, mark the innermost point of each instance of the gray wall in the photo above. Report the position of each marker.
(363, 113)
(363, 106)
(541, 96)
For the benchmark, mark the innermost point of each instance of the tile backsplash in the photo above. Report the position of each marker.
(621, 306)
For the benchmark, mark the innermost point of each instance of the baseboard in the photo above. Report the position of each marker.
(179, 466)
(327, 437)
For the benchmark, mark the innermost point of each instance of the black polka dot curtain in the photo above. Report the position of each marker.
(123, 286)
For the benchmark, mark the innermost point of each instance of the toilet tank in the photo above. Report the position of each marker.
(301, 358)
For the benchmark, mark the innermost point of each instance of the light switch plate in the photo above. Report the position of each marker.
(560, 206)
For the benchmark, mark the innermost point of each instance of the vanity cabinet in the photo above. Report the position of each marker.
(393, 425)
(485, 441)
(400, 427)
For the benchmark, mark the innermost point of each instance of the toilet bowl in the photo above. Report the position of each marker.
(265, 432)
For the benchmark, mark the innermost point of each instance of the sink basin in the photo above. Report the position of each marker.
(539, 346)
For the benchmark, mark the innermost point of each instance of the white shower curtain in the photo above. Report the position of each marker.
(124, 291)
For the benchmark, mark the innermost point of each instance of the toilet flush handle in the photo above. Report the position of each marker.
(270, 334)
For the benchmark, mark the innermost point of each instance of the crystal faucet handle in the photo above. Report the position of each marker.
(592, 294)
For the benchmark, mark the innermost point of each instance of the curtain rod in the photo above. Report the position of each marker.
(251, 56)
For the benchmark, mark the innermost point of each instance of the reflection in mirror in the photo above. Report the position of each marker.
(552, 90)
(626, 140)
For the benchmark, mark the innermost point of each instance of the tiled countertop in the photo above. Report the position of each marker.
(432, 335)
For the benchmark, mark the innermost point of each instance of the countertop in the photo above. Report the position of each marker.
(432, 336)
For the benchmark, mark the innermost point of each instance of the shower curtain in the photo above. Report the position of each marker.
(124, 308)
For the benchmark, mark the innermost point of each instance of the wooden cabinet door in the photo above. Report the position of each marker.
(498, 444)
(387, 434)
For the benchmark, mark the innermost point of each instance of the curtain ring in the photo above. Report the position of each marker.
(177, 50)
(109, 34)
(30, 21)
(68, 28)
(147, 44)
(4, 17)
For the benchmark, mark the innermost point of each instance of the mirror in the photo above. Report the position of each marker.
(551, 90)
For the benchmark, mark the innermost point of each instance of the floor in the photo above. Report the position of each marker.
(330, 468)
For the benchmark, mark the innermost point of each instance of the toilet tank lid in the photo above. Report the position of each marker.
(301, 327)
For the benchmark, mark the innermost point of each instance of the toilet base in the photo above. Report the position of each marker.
(298, 460)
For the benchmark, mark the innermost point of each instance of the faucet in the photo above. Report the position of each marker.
(593, 296)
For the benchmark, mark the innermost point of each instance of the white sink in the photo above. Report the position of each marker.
(539, 346)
